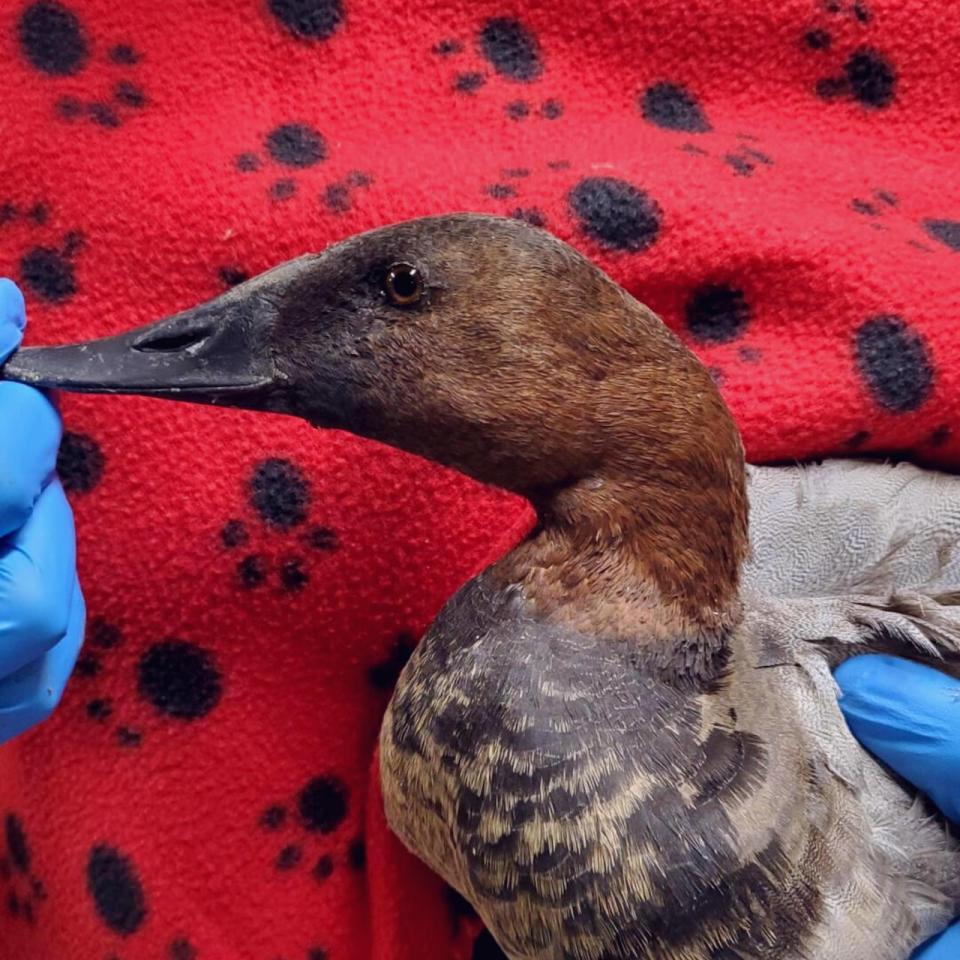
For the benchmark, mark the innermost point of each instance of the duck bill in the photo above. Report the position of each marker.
(217, 353)
(191, 356)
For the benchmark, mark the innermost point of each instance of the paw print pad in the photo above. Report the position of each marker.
(318, 810)
(23, 891)
(880, 210)
(504, 49)
(280, 496)
(54, 41)
(287, 148)
(742, 158)
(178, 680)
(514, 186)
(860, 71)
(47, 266)
(297, 147)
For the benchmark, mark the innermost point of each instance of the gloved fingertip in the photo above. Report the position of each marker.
(883, 696)
(907, 715)
(871, 676)
(13, 317)
(945, 946)
(12, 306)
(859, 674)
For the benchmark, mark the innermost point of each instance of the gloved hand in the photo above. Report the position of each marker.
(908, 716)
(41, 607)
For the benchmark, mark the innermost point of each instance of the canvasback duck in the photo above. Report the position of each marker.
(622, 740)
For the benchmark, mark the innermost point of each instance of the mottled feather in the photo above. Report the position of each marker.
(591, 811)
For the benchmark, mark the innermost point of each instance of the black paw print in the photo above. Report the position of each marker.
(509, 188)
(280, 495)
(671, 106)
(384, 674)
(80, 462)
(877, 204)
(743, 158)
(875, 207)
(47, 267)
(182, 949)
(120, 901)
(614, 213)
(508, 48)
(102, 640)
(863, 74)
(943, 231)
(319, 809)
(308, 20)
(23, 891)
(717, 314)
(114, 886)
(880, 207)
(894, 362)
(857, 10)
(298, 146)
(178, 679)
(54, 41)
(293, 146)
(338, 197)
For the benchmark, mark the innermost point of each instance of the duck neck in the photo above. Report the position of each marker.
(642, 551)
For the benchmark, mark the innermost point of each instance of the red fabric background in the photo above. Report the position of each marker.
(789, 202)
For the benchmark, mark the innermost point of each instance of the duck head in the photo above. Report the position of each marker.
(477, 342)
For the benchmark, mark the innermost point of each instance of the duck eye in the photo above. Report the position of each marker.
(403, 285)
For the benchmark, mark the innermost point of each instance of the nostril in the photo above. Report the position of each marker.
(171, 342)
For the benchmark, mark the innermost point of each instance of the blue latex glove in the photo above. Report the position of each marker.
(908, 716)
(41, 607)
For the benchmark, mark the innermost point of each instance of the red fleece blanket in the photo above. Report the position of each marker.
(779, 180)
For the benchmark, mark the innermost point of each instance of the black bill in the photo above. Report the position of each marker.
(219, 352)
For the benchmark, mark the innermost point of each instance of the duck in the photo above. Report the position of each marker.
(622, 740)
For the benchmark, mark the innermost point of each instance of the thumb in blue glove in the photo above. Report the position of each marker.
(41, 607)
(908, 716)
(13, 317)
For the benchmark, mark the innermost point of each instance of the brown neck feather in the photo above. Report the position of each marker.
(648, 545)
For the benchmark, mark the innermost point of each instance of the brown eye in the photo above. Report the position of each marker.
(403, 285)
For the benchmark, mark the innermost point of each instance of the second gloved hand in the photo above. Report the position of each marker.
(908, 716)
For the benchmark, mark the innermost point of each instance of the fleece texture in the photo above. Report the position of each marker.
(778, 179)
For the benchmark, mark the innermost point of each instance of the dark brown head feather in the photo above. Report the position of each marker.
(526, 367)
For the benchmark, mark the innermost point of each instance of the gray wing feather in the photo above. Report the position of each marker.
(875, 545)
(848, 556)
